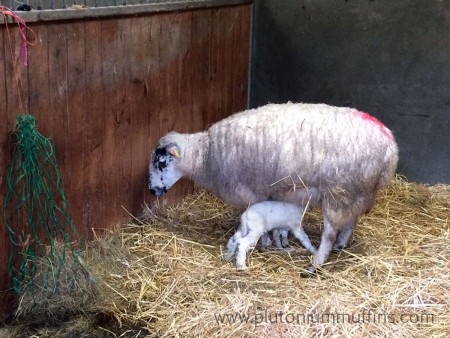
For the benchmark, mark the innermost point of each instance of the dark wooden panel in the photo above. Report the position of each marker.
(139, 108)
(111, 51)
(154, 102)
(123, 133)
(107, 90)
(94, 194)
(14, 101)
(241, 56)
(4, 155)
(75, 123)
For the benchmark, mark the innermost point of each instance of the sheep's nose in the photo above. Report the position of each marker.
(158, 191)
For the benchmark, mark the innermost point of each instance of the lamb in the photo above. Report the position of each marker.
(261, 218)
(307, 154)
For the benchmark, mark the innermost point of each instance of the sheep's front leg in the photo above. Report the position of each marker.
(244, 246)
(343, 236)
(326, 243)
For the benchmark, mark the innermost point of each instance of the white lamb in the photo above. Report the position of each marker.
(307, 154)
(261, 218)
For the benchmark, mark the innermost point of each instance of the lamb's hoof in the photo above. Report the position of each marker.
(228, 257)
(241, 267)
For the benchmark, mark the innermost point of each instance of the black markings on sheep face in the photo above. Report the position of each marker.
(163, 172)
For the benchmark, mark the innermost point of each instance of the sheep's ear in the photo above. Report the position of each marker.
(174, 151)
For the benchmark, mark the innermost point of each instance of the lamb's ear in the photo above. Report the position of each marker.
(173, 150)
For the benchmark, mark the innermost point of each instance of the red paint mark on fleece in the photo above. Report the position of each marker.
(374, 120)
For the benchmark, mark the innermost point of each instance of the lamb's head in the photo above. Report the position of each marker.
(164, 171)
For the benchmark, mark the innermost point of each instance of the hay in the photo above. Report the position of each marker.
(165, 276)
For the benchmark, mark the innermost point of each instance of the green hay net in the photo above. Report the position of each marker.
(44, 241)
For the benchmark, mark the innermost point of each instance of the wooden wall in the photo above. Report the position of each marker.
(107, 89)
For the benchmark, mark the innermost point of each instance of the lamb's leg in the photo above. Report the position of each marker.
(276, 234)
(284, 238)
(244, 245)
(232, 245)
(300, 234)
(343, 236)
(329, 234)
(266, 241)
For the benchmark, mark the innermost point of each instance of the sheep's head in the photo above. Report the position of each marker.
(163, 168)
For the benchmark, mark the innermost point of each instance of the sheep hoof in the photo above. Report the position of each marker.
(338, 247)
(311, 271)
(308, 273)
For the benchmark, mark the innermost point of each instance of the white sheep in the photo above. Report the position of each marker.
(261, 218)
(313, 154)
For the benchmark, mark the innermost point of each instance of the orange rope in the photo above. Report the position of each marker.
(23, 53)
(22, 31)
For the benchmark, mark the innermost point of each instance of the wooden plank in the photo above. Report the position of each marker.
(4, 155)
(154, 78)
(200, 61)
(76, 115)
(139, 108)
(53, 123)
(227, 25)
(16, 83)
(118, 11)
(38, 69)
(123, 136)
(174, 41)
(111, 50)
(39, 84)
(241, 56)
(185, 75)
(213, 113)
(94, 178)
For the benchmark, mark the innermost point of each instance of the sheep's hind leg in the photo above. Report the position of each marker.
(343, 237)
(326, 243)
(244, 246)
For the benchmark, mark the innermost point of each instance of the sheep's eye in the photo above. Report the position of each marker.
(162, 160)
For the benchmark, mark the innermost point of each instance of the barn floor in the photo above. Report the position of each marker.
(165, 277)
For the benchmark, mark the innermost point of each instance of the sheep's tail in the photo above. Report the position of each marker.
(390, 161)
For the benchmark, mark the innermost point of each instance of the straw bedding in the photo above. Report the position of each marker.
(164, 276)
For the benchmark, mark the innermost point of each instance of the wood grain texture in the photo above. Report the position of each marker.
(107, 89)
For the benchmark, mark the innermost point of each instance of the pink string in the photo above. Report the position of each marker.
(23, 53)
